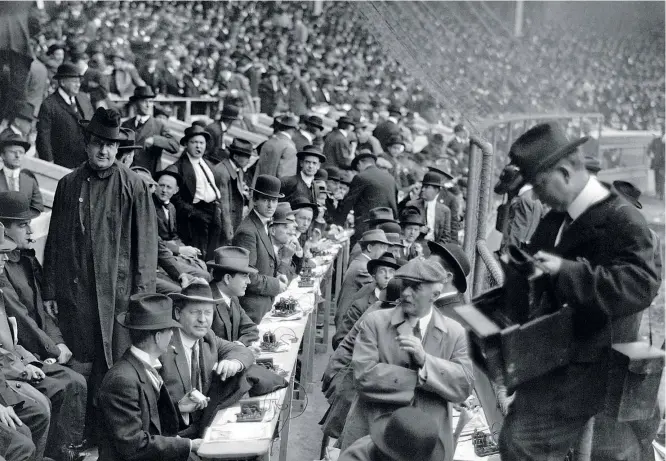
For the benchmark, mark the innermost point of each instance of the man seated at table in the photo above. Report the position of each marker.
(283, 230)
(230, 270)
(140, 422)
(199, 360)
(381, 270)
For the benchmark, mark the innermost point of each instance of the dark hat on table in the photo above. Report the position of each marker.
(283, 214)
(105, 124)
(24, 110)
(379, 215)
(407, 434)
(627, 190)
(345, 120)
(286, 121)
(196, 290)
(148, 311)
(16, 206)
(592, 164)
(311, 150)
(375, 236)
(142, 92)
(192, 131)
(392, 293)
(333, 173)
(395, 139)
(240, 147)
(128, 144)
(432, 178)
(391, 226)
(541, 147)
(174, 174)
(448, 176)
(6, 244)
(321, 175)
(510, 179)
(456, 259)
(422, 271)
(232, 259)
(14, 139)
(385, 260)
(300, 202)
(230, 112)
(362, 156)
(67, 70)
(268, 185)
(314, 121)
(394, 109)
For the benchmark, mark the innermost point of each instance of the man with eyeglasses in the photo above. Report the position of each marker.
(410, 355)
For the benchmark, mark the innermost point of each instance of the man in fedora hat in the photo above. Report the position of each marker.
(450, 199)
(20, 121)
(208, 358)
(104, 231)
(302, 184)
(373, 245)
(411, 222)
(337, 144)
(127, 148)
(253, 235)
(374, 220)
(389, 127)
(599, 253)
(14, 177)
(288, 248)
(234, 189)
(371, 188)
(60, 137)
(138, 417)
(381, 270)
(406, 434)
(217, 147)
(278, 154)
(151, 134)
(411, 355)
(309, 133)
(437, 215)
(198, 201)
(230, 270)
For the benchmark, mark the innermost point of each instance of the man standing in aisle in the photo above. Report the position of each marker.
(599, 252)
(277, 156)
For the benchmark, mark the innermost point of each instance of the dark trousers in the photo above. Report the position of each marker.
(659, 182)
(35, 413)
(206, 236)
(16, 444)
(68, 393)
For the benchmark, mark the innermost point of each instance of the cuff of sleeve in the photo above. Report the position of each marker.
(240, 363)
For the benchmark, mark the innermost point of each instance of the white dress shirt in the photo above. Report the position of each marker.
(12, 177)
(423, 323)
(264, 221)
(593, 192)
(141, 119)
(307, 180)
(430, 218)
(307, 135)
(206, 190)
(65, 96)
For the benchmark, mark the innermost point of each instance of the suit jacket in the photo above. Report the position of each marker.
(300, 97)
(167, 227)
(183, 200)
(231, 322)
(608, 278)
(216, 147)
(163, 140)
(336, 149)
(386, 381)
(364, 298)
(59, 135)
(356, 276)
(232, 199)
(384, 131)
(138, 422)
(294, 187)
(300, 141)
(264, 285)
(369, 189)
(277, 157)
(442, 230)
(525, 212)
(450, 200)
(28, 186)
(21, 283)
(176, 372)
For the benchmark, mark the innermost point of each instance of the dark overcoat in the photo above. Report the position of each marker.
(232, 199)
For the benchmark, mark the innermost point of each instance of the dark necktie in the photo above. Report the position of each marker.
(195, 373)
(566, 223)
(417, 331)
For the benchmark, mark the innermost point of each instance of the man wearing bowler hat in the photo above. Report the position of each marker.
(217, 148)
(60, 137)
(309, 133)
(410, 355)
(151, 134)
(198, 201)
(253, 235)
(103, 230)
(406, 434)
(230, 270)
(337, 144)
(278, 154)
(598, 251)
(302, 184)
(13, 176)
(139, 420)
(437, 215)
(234, 189)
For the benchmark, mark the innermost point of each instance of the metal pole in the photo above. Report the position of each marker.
(518, 22)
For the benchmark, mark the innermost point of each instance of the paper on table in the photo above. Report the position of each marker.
(234, 432)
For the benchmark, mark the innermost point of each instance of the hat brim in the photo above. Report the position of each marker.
(377, 431)
(312, 206)
(439, 250)
(266, 194)
(375, 263)
(316, 125)
(7, 246)
(408, 222)
(86, 123)
(133, 147)
(241, 270)
(503, 187)
(385, 242)
(239, 152)
(187, 137)
(61, 76)
(122, 320)
(376, 221)
(434, 184)
(139, 98)
(201, 299)
(9, 142)
(321, 157)
(28, 215)
(555, 157)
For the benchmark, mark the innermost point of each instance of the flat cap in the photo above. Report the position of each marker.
(422, 270)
